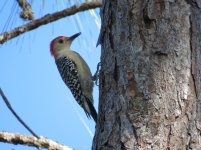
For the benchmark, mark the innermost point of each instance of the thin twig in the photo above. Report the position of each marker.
(27, 12)
(48, 18)
(15, 138)
(15, 114)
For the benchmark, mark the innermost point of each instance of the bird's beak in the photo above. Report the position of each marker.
(74, 36)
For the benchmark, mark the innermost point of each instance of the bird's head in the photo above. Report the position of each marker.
(61, 43)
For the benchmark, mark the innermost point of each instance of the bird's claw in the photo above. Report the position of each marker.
(95, 77)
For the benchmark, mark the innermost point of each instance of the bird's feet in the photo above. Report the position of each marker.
(95, 77)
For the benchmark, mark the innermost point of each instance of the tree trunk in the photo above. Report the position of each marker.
(150, 80)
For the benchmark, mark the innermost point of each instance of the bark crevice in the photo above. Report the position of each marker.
(157, 61)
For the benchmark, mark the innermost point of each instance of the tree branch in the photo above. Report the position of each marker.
(15, 114)
(49, 18)
(29, 140)
(27, 12)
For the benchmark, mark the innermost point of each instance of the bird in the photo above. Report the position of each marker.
(75, 72)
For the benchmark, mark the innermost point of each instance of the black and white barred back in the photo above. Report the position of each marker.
(69, 73)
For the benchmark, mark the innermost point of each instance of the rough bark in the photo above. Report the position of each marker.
(150, 78)
(195, 34)
(14, 138)
(27, 12)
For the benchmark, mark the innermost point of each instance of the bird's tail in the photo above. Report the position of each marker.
(89, 109)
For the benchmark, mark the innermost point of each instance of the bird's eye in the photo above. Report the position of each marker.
(61, 41)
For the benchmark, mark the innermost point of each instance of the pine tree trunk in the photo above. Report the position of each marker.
(150, 81)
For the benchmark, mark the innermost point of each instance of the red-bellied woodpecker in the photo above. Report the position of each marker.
(75, 72)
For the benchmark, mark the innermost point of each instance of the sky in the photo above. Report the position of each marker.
(31, 81)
